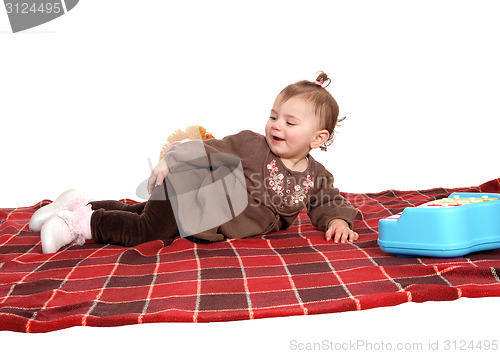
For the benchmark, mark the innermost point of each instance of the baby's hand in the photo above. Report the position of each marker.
(339, 230)
(157, 175)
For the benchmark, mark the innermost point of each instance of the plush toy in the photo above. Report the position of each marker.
(192, 132)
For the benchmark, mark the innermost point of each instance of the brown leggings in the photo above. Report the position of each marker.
(129, 225)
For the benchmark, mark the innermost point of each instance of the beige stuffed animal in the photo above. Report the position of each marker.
(192, 132)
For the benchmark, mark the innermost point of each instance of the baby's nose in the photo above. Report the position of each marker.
(276, 125)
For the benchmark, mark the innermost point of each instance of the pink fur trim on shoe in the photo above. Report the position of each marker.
(82, 220)
(78, 222)
(77, 203)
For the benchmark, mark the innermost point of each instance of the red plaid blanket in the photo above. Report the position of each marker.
(292, 272)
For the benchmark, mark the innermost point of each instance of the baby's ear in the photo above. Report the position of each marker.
(320, 138)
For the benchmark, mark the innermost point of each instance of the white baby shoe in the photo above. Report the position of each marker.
(69, 200)
(54, 235)
(65, 227)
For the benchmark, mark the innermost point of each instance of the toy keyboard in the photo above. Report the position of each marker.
(448, 227)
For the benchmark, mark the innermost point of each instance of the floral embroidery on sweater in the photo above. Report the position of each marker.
(277, 179)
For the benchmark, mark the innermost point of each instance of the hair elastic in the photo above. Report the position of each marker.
(327, 144)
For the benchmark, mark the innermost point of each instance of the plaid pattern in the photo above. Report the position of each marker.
(292, 272)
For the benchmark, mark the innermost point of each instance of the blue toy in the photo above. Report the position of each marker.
(446, 228)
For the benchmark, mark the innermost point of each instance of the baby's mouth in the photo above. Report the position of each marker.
(275, 138)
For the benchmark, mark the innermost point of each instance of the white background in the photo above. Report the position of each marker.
(88, 99)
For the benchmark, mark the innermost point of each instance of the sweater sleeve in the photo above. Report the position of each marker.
(196, 153)
(327, 204)
(241, 144)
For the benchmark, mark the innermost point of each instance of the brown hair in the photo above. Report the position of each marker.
(325, 106)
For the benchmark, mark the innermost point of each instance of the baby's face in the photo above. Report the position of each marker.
(291, 128)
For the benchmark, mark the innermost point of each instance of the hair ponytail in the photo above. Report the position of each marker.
(322, 79)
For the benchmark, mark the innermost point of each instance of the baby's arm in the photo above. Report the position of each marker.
(157, 175)
(241, 144)
(330, 212)
(339, 230)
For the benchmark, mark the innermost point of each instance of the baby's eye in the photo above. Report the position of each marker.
(272, 118)
(290, 123)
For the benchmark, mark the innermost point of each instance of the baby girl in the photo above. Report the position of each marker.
(278, 177)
